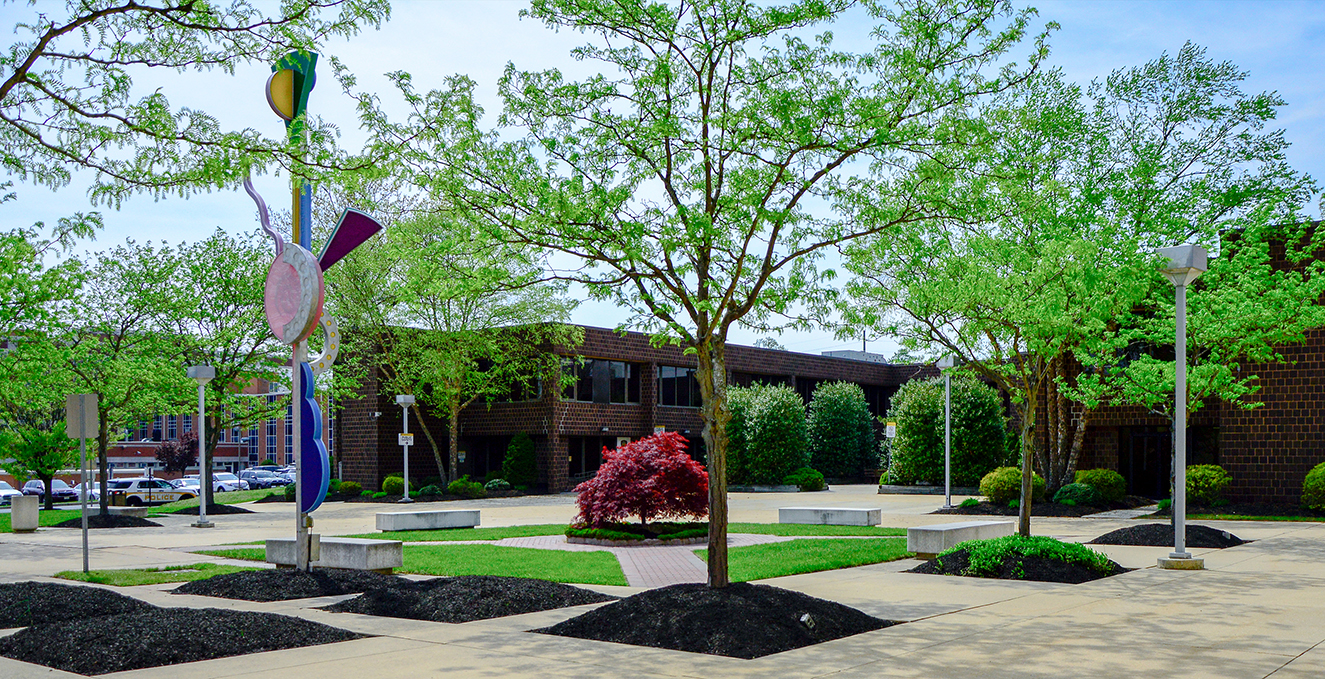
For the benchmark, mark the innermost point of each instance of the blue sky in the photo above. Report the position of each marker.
(1281, 44)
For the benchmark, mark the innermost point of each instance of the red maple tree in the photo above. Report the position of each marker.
(651, 478)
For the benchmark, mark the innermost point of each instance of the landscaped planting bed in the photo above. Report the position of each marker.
(1019, 558)
(34, 603)
(740, 620)
(642, 533)
(160, 636)
(467, 598)
(213, 510)
(283, 584)
(1161, 535)
(107, 521)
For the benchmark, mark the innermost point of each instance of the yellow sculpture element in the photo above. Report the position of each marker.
(280, 93)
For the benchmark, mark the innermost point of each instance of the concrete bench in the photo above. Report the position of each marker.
(429, 520)
(830, 516)
(928, 541)
(139, 512)
(350, 553)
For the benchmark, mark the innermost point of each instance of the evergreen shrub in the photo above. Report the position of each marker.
(977, 432)
(1108, 483)
(1077, 494)
(1313, 488)
(1206, 483)
(807, 479)
(351, 488)
(497, 484)
(841, 431)
(767, 436)
(466, 488)
(393, 485)
(1004, 484)
(520, 466)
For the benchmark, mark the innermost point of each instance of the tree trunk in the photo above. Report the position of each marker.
(712, 377)
(103, 438)
(1027, 453)
(453, 438)
(212, 437)
(436, 452)
(49, 500)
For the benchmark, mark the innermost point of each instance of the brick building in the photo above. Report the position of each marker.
(625, 389)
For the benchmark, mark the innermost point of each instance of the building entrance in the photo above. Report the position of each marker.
(1147, 462)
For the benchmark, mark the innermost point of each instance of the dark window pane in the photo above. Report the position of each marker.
(584, 381)
(618, 373)
(667, 385)
(632, 382)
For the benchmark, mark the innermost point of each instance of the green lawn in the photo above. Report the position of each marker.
(452, 534)
(758, 562)
(593, 568)
(46, 518)
(809, 529)
(232, 498)
(1245, 517)
(152, 576)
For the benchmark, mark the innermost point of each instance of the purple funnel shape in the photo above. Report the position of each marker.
(353, 229)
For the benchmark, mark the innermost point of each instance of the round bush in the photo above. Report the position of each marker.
(351, 488)
(1077, 494)
(1206, 483)
(841, 431)
(807, 479)
(430, 490)
(1108, 483)
(466, 488)
(393, 485)
(497, 484)
(767, 435)
(1313, 488)
(289, 493)
(1004, 485)
(977, 432)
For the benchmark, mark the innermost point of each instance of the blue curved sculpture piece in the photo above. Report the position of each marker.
(314, 463)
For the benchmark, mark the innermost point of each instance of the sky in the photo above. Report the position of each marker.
(1280, 44)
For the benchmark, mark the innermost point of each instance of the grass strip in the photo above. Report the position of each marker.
(233, 497)
(811, 529)
(130, 577)
(241, 553)
(450, 534)
(773, 560)
(48, 517)
(1244, 517)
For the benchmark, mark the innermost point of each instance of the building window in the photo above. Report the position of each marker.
(582, 388)
(188, 423)
(289, 434)
(171, 422)
(677, 386)
(625, 382)
(272, 430)
(601, 381)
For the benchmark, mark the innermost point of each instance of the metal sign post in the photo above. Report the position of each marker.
(947, 362)
(80, 412)
(406, 438)
(202, 374)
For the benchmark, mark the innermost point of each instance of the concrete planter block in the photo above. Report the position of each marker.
(140, 512)
(430, 520)
(830, 516)
(23, 513)
(352, 553)
(928, 541)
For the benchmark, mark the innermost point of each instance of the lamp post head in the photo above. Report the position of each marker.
(202, 373)
(1186, 262)
(404, 400)
(945, 362)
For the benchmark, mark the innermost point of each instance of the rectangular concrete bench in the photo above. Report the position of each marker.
(140, 512)
(830, 516)
(429, 520)
(928, 541)
(352, 553)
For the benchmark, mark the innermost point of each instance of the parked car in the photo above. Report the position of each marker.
(6, 492)
(230, 481)
(60, 490)
(93, 491)
(139, 492)
(258, 478)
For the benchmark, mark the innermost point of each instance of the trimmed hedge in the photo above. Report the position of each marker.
(1077, 494)
(1206, 483)
(351, 488)
(807, 479)
(1111, 485)
(1313, 488)
(767, 436)
(977, 432)
(1004, 485)
(841, 431)
(393, 485)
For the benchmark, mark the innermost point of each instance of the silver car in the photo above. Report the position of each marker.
(7, 491)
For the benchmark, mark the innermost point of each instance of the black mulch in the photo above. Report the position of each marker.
(1251, 510)
(467, 598)
(283, 584)
(276, 496)
(987, 508)
(34, 603)
(1017, 567)
(215, 510)
(106, 521)
(162, 636)
(1161, 535)
(740, 621)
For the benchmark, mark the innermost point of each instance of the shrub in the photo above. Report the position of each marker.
(497, 484)
(1077, 494)
(970, 502)
(1165, 504)
(289, 493)
(840, 430)
(333, 487)
(466, 488)
(368, 493)
(652, 478)
(809, 480)
(351, 488)
(977, 432)
(520, 466)
(767, 436)
(1108, 483)
(393, 485)
(986, 558)
(1313, 488)
(379, 494)
(1004, 484)
(1206, 483)
(430, 489)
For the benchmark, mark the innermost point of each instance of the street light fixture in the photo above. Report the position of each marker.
(1186, 263)
(405, 401)
(202, 374)
(943, 364)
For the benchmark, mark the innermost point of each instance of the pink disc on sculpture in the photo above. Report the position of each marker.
(294, 294)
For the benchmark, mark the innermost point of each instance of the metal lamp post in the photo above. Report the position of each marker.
(1186, 263)
(943, 364)
(202, 374)
(405, 401)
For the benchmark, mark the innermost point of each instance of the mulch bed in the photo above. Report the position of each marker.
(1251, 510)
(161, 636)
(1017, 567)
(740, 620)
(283, 584)
(107, 521)
(436, 498)
(1161, 535)
(35, 603)
(987, 508)
(467, 598)
(215, 510)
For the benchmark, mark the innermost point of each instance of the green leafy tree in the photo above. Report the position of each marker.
(29, 288)
(977, 432)
(728, 150)
(38, 450)
(771, 439)
(841, 431)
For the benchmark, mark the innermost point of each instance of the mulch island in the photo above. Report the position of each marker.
(1161, 535)
(215, 510)
(740, 620)
(987, 508)
(1014, 557)
(629, 534)
(35, 603)
(107, 521)
(283, 584)
(160, 636)
(467, 598)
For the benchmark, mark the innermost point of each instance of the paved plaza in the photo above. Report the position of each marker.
(1258, 610)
